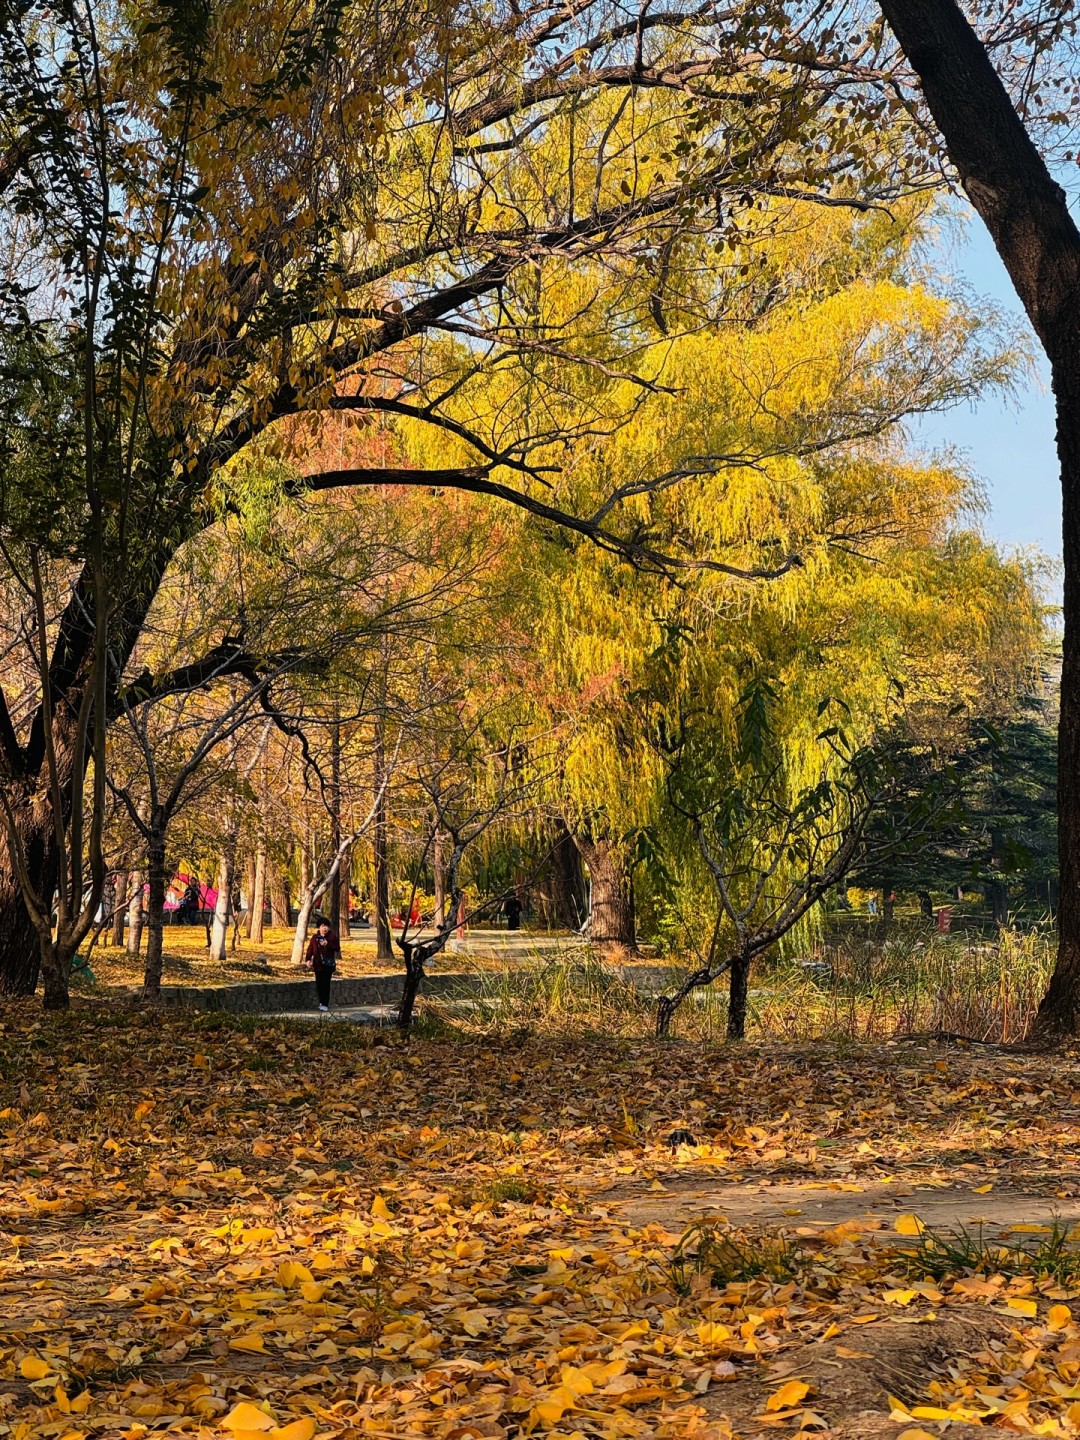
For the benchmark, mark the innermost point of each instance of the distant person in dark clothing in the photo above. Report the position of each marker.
(512, 911)
(323, 954)
(191, 902)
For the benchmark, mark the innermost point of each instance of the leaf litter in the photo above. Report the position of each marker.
(232, 1229)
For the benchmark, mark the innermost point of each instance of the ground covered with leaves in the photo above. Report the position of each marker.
(221, 1228)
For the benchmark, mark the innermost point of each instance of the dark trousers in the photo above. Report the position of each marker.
(322, 985)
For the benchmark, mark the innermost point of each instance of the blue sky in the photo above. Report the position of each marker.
(1010, 445)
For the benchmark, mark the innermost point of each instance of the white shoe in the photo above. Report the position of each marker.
(325, 1009)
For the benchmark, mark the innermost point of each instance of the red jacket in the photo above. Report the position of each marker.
(323, 951)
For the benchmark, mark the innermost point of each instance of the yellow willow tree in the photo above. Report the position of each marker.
(781, 422)
(227, 215)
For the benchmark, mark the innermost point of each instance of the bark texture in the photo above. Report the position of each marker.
(1027, 215)
(157, 881)
(384, 945)
(258, 895)
(560, 891)
(135, 913)
(20, 954)
(611, 918)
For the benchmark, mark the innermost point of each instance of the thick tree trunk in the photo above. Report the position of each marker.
(1059, 1013)
(258, 894)
(384, 945)
(997, 893)
(157, 881)
(738, 989)
(279, 898)
(561, 891)
(135, 913)
(1027, 214)
(55, 971)
(611, 918)
(219, 930)
(20, 948)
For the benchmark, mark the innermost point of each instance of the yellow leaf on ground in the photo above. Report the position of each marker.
(246, 1416)
(909, 1225)
(916, 1435)
(32, 1367)
(380, 1209)
(710, 1332)
(1023, 1307)
(899, 1297)
(291, 1273)
(1059, 1317)
(302, 1429)
(788, 1395)
(252, 1344)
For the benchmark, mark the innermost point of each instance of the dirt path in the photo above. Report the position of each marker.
(810, 1206)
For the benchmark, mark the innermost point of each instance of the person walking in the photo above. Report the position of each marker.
(323, 953)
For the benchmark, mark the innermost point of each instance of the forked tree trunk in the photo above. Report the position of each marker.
(611, 917)
(258, 894)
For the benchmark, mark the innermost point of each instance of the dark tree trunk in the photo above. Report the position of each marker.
(997, 893)
(611, 926)
(384, 946)
(55, 972)
(157, 881)
(926, 905)
(414, 974)
(562, 894)
(20, 948)
(1027, 214)
(738, 987)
